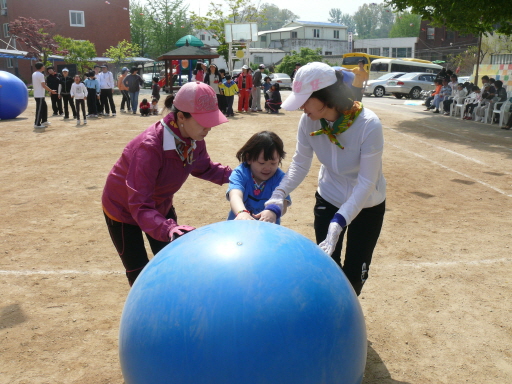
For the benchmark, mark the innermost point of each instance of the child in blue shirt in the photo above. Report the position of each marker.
(251, 183)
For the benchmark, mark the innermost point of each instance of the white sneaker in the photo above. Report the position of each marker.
(46, 123)
(78, 122)
(39, 126)
(113, 114)
(123, 111)
(85, 121)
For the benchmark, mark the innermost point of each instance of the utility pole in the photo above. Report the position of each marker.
(478, 57)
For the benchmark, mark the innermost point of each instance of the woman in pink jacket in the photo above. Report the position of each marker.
(138, 194)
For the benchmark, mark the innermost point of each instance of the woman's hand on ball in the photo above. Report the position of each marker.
(331, 240)
(267, 216)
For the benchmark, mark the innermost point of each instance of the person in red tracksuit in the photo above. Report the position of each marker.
(244, 83)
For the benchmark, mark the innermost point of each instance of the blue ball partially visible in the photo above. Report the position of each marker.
(242, 302)
(13, 96)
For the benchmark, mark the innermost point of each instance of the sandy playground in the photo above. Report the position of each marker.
(437, 303)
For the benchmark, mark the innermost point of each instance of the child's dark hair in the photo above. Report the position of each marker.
(337, 96)
(168, 103)
(144, 101)
(156, 79)
(265, 141)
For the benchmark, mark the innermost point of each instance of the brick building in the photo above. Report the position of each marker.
(104, 23)
(436, 43)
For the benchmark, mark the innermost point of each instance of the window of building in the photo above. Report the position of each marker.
(263, 38)
(360, 50)
(316, 32)
(505, 58)
(258, 60)
(402, 52)
(202, 37)
(6, 30)
(10, 63)
(375, 51)
(3, 4)
(336, 34)
(328, 53)
(450, 35)
(209, 37)
(294, 35)
(76, 19)
(385, 52)
(430, 33)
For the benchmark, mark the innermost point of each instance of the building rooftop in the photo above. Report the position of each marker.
(319, 23)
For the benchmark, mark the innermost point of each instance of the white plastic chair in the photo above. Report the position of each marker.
(505, 105)
(456, 106)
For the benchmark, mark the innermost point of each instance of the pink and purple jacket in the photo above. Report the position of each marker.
(141, 185)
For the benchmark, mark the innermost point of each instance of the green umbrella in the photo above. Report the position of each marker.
(192, 40)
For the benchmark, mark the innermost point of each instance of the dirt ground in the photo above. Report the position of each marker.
(437, 303)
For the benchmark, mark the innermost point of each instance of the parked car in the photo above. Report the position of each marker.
(463, 79)
(411, 84)
(283, 79)
(377, 87)
(235, 73)
(148, 79)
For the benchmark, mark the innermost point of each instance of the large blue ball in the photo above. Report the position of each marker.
(241, 302)
(13, 96)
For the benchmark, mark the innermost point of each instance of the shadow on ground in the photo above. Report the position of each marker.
(376, 371)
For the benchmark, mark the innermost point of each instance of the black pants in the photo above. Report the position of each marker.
(358, 93)
(221, 101)
(91, 101)
(67, 101)
(447, 104)
(41, 111)
(107, 99)
(80, 103)
(129, 244)
(126, 99)
(428, 101)
(56, 104)
(362, 235)
(229, 105)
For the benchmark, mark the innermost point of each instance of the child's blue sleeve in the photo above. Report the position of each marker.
(236, 180)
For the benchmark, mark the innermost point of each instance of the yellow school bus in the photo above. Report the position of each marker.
(351, 60)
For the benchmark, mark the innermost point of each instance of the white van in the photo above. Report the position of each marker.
(380, 67)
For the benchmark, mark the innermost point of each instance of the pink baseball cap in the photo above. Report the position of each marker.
(200, 100)
(308, 79)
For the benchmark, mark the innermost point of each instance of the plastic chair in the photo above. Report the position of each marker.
(505, 106)
(457, 105)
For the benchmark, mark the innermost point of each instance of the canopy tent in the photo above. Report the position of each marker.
(187, 52)
(191, 39)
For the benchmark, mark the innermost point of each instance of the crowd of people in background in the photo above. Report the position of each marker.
(477, 103)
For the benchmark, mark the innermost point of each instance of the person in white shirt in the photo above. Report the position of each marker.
(39, 84)
(348, 141)
(79, 93)
(107, 84)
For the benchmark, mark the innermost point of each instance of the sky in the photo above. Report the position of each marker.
(302, 8)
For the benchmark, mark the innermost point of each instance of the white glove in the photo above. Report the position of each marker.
(277, 198)
(333, 234)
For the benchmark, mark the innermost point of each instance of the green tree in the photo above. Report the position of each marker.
(336, 16)
(122, 51)
(406, 25)
(240, 11)
(472, 16)
(140, 27)
(304, 56)
(156, 26)
(373, 21)
(79, 52)
(271, 17)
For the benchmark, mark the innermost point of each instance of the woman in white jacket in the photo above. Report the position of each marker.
(79, 93)
(348, 141)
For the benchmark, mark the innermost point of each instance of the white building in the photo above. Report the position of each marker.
(269, 57)
(388, 47)
(207, 38)
(331, 38)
